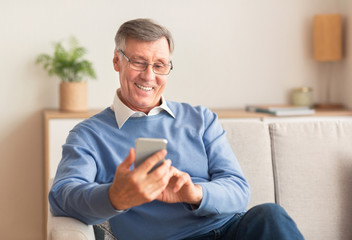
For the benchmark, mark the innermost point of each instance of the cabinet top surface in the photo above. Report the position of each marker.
(54, 113)
(222, 113)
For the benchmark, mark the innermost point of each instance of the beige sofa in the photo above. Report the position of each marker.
(306, 167)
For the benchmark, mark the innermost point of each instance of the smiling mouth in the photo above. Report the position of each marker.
(147, 89)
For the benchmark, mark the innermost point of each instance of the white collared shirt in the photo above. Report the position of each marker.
(123, 113)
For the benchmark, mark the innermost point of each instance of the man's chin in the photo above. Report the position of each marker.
(144, 106)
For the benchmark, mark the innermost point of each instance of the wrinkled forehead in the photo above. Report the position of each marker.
(158, 48)
(123, 44)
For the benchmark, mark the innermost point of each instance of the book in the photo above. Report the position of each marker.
(281, 110)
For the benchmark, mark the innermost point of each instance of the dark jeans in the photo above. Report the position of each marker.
(262, 222)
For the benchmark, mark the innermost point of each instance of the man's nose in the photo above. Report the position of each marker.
(149, 74)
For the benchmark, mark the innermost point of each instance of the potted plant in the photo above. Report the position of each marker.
(68, 64)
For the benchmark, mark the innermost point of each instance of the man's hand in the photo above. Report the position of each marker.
(181, 189)
(133, 188)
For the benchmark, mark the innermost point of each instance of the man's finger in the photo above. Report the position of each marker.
(129, 160)
(150, 162)
(181, 180)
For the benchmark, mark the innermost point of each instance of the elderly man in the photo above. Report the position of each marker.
(199, 192)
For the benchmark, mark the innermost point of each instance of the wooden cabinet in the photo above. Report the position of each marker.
(58, 124)
(319, 114)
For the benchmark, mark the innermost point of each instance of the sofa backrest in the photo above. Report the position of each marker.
(306, 167)
(250, 141)
(313, 176)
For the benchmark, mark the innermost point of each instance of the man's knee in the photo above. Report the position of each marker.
(266, 210)
(268, 214)
(267, 220)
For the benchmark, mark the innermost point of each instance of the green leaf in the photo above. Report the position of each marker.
(67, 63)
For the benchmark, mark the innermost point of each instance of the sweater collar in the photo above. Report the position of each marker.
(123, 113)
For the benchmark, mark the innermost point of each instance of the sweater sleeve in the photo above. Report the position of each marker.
(227, 191)
(75, 191)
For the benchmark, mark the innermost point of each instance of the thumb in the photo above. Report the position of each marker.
(129, 160)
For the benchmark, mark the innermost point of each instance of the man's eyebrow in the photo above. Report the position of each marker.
(162, 60)
(140, 57)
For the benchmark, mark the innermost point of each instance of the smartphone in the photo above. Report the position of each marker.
(146, 147)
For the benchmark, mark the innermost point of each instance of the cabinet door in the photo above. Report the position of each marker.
(58, 132)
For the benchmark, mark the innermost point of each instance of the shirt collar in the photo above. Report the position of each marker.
(123, 113)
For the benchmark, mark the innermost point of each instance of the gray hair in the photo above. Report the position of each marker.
(142, 29)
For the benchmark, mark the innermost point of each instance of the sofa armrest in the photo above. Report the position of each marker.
(63, 228)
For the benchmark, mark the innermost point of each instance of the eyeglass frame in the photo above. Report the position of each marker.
(147, 64)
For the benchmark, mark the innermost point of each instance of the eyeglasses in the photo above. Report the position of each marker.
(141, 66)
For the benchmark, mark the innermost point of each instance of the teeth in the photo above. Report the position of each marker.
(144, 88)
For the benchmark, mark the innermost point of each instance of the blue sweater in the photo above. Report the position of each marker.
(196, 144)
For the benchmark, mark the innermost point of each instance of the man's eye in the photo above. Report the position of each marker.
(159, 65)
(139, 64)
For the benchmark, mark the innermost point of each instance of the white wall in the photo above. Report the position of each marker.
(345, 70)
(229, 53)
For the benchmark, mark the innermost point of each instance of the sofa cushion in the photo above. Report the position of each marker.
(63, 228)
(313, 176)
(250, 142)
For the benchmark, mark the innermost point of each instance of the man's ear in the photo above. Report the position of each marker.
(116, 62)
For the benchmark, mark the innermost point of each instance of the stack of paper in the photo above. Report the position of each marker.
(281, 110)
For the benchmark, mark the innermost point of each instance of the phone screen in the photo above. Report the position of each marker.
(146, 147)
